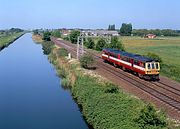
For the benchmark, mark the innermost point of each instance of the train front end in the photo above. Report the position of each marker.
(152, 70)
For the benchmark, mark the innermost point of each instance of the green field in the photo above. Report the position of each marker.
(168, 48)
(5, 40)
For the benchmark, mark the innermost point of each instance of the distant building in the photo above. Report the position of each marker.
(150, 36)
(100, 33)
(65, 32)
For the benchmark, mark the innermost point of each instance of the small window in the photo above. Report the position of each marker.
(153, 66)
(136, 62)
(149, 66)
(157, 66)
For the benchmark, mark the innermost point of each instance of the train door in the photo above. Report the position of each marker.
(132, 62)
(119, 57)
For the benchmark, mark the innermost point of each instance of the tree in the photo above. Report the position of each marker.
(100, 44)
(56, 33)
(74, 36)
(46, 36)
(90, 43)
(116, 44)
(86, 61)
(126, 29)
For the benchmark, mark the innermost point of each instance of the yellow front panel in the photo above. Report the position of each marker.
(150, 70)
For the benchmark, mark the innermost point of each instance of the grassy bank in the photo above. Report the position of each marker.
(8, 39)
(103, 104)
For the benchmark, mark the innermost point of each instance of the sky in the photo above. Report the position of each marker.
(93, 14)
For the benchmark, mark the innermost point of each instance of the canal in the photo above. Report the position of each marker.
(31, 95)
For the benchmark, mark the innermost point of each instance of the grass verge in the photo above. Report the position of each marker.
(5, 41)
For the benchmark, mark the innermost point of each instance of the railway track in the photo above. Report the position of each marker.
(167, 94)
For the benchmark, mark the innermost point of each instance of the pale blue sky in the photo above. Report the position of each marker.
(89, 13)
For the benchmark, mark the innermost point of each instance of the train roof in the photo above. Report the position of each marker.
(131, 55)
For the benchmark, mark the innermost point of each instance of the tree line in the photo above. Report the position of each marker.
(157, 32)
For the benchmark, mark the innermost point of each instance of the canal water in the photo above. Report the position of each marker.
(31, 95)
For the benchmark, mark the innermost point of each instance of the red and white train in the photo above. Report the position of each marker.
(144, 67)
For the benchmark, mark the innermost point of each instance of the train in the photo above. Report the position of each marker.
(144, 67)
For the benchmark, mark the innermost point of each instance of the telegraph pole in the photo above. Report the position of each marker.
(80, 46)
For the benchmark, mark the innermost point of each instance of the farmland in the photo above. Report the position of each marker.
(168, 48)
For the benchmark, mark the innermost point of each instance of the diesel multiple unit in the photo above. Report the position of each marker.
(144, 67)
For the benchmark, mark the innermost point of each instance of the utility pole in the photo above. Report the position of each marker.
(80, 43)
(80, 46)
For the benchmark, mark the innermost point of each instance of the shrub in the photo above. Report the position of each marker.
(154, 56)
(74, 36)
(66, 82)
(86, 61)
(100, 44)
(149, 118)
(66, 38)
(61, 72)
(47, 47)
(56, 33)
(62, 52)
(46, 36)
(116, 44)
(110, 88)
(90, 43)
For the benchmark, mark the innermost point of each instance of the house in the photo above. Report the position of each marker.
(150, 36)
(65, 32)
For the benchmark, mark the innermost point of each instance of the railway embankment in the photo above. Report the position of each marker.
(7, 40)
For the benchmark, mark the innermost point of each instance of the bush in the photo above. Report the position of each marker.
(154, 56)
(104, 108)
(47, 47)
(56, 33)
(66, 82)
(116, 44)
(110, 88)
(149, 118)
(66, 38)
(86, 61)
(62, 52)
(90, 43)
(171, 71)
(46, 36)
(100, 44)
(74, 36)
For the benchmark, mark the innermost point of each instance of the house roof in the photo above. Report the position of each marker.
(150, 35)
(133, 56)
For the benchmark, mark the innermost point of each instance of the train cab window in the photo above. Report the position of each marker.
(149, 66)
(157, 66)
(153, 66)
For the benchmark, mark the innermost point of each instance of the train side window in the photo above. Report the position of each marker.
(153, 66)
(149, 66)
(136, 62)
